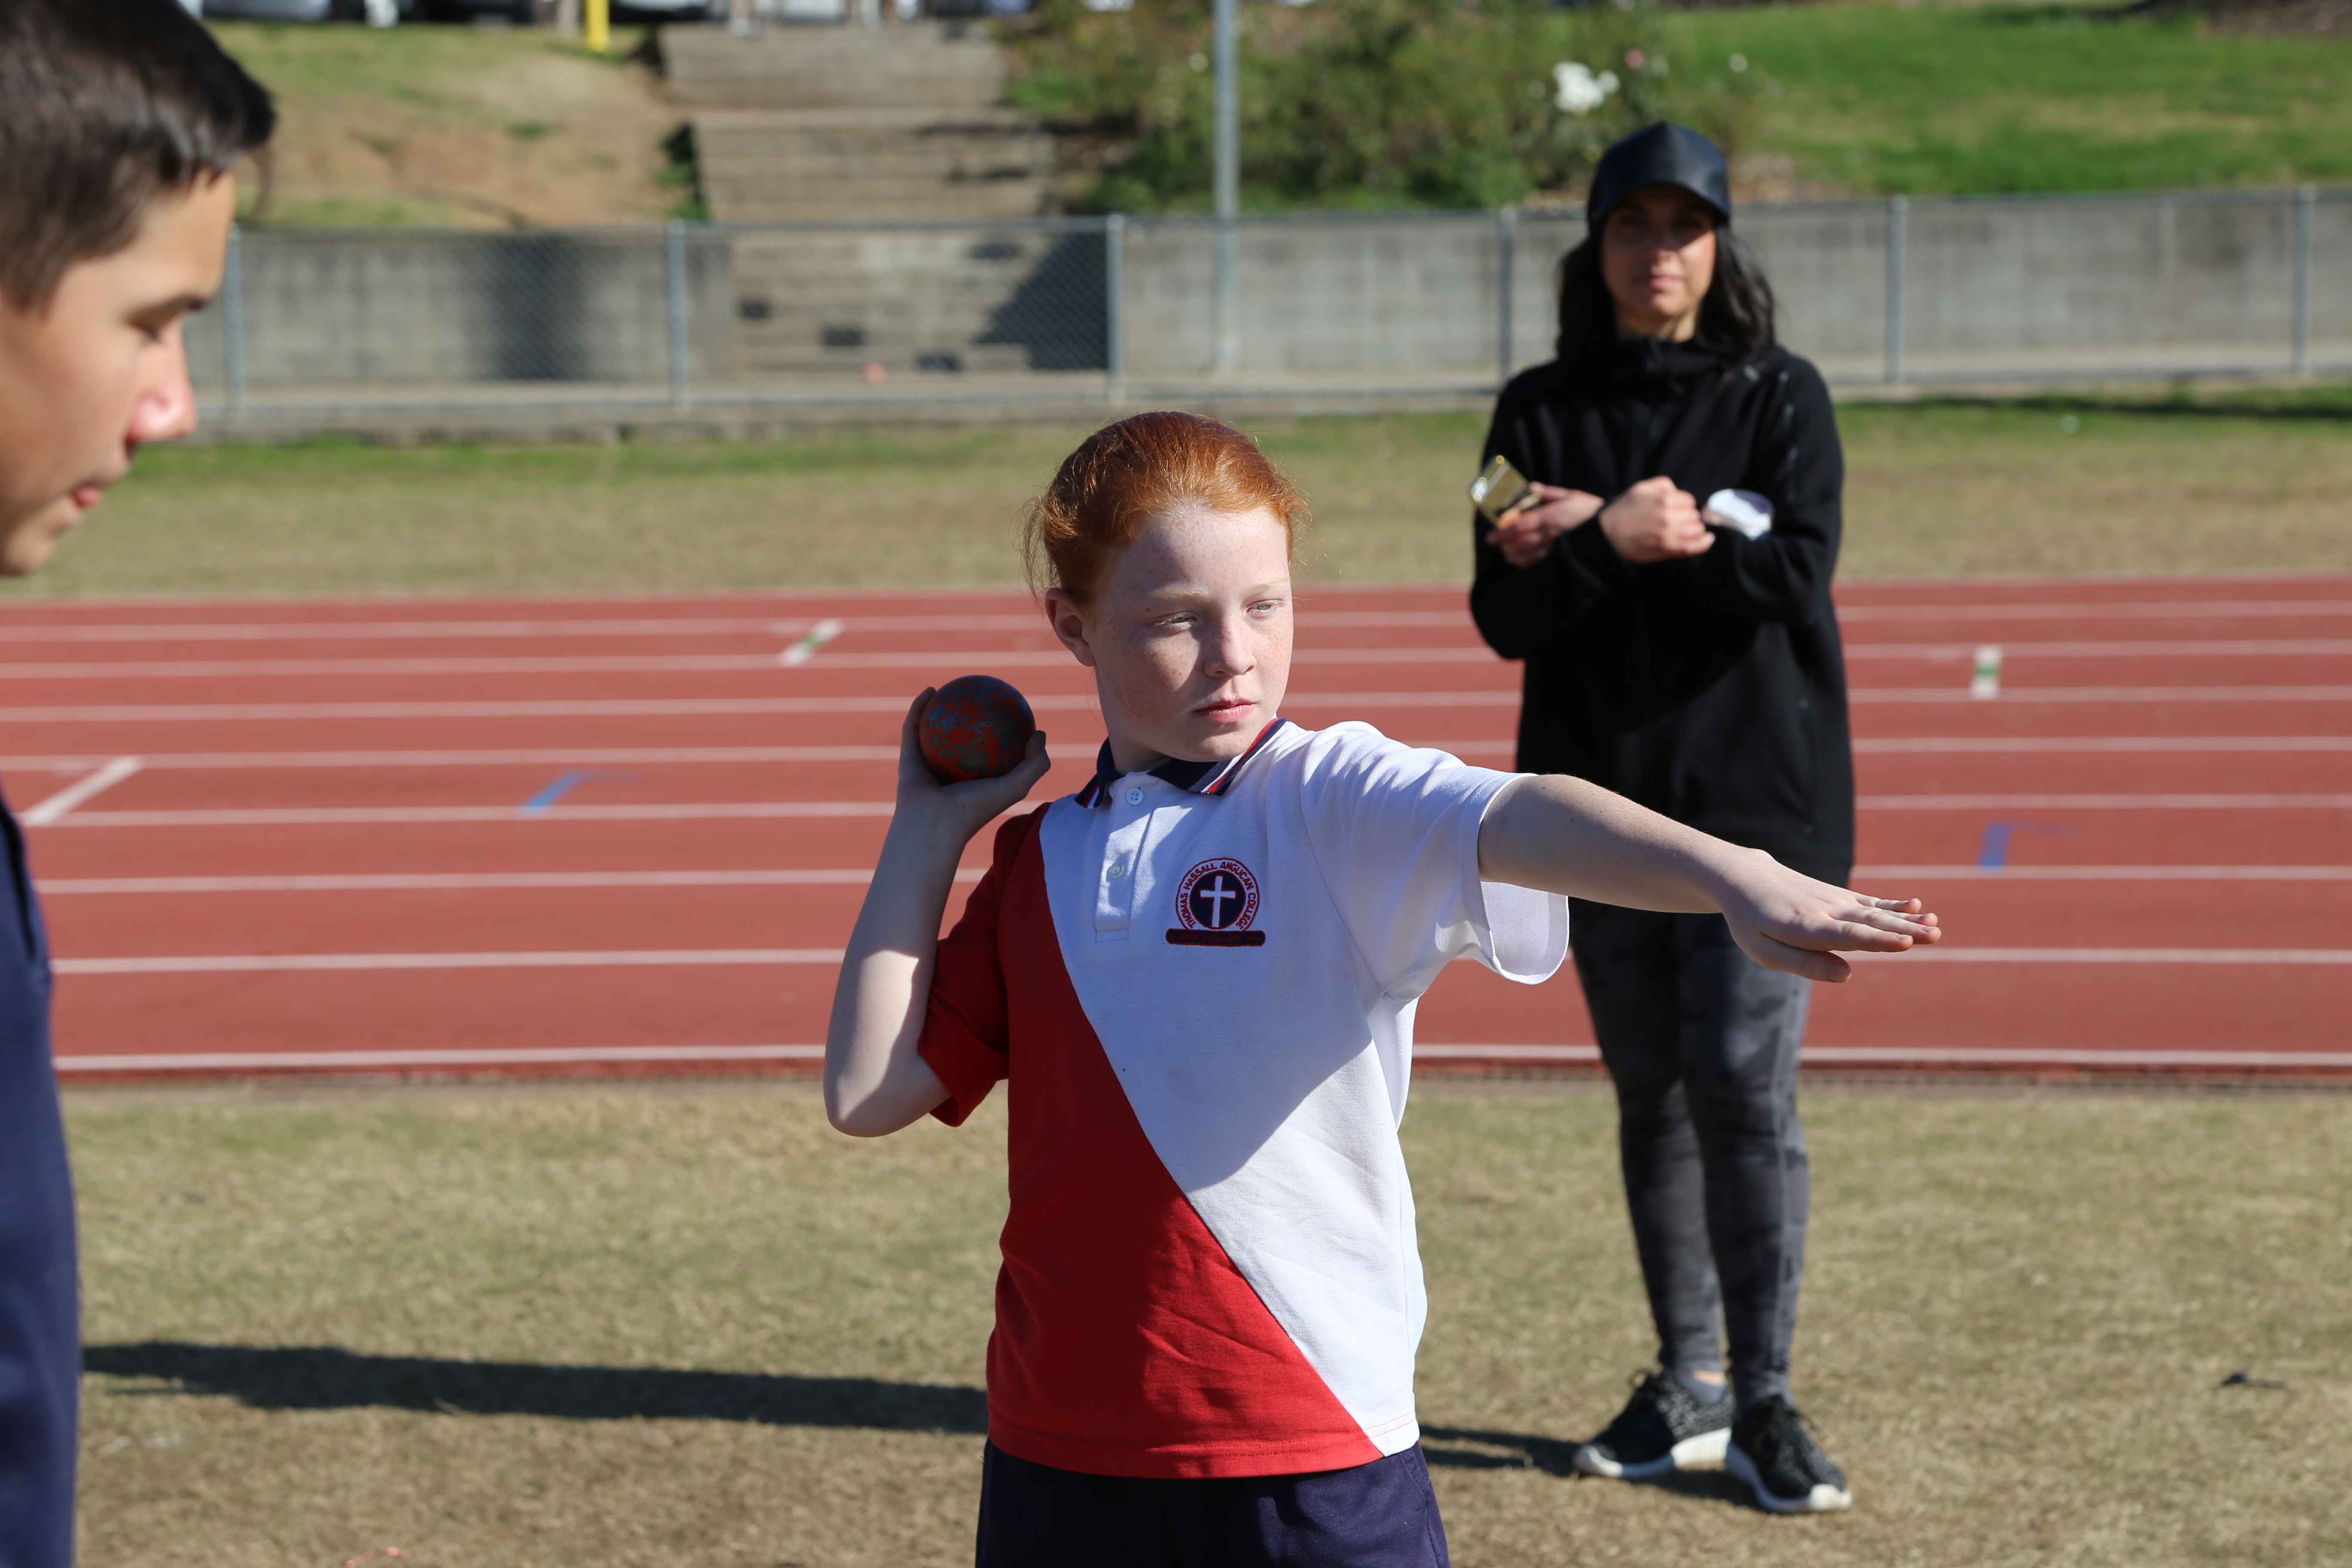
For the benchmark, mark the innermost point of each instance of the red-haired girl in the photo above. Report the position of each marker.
(1201, 972)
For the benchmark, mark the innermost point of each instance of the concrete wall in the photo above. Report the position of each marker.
(369, 310)
(2158, 284)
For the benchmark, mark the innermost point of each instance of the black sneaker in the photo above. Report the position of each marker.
(1663, 1428)
(1772, 1452)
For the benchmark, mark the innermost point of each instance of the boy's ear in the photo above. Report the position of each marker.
(1069, 624)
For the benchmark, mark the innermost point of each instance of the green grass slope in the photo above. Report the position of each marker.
(1945, 98)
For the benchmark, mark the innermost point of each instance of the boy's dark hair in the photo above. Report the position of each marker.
(1736, 314)
(105, 106)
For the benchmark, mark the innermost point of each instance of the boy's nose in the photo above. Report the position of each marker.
(165, 407)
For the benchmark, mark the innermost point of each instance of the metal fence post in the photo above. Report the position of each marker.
(2306, 198)
(1114, 309)
(1898, 214)
(1228, 182)
(232, 299)
(1507, 238)
(675, 270)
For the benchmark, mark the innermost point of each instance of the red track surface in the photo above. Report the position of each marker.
(324, 860)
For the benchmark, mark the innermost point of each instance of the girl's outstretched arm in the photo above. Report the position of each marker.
(874, 1081)
(1566, 836)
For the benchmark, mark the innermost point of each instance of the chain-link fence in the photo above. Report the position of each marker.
(1325, 308)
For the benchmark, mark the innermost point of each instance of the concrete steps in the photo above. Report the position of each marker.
(798, 123)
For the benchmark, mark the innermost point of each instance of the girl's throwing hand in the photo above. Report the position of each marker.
(957, 811)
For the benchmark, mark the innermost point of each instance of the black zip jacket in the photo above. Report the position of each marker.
(1712, 689)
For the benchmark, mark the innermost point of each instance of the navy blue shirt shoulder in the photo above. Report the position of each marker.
(40, 1320)
(1711, 689)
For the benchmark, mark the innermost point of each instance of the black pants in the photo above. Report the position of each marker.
(1378, 1515)
(1701, 1042)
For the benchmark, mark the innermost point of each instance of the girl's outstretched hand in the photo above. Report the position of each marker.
(958, 810)
(1785, 919)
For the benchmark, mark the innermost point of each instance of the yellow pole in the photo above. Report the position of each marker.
(600, 25)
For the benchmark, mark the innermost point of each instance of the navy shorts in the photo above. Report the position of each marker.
(1381, 1515)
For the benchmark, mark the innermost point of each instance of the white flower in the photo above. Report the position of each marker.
(1580, 92)
(1739, 62)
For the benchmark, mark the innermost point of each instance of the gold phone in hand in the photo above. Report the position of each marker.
(1501, 490)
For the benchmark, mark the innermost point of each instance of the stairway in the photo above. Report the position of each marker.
(818, 124)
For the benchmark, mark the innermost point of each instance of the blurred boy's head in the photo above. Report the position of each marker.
(121, 121)
(1166, 543)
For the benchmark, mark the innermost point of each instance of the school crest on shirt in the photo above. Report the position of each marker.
(1216, 903)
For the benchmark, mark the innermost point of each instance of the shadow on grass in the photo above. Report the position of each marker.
(321, 1377)
(1526, 1451)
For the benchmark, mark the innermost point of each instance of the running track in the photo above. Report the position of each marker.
(629, 835)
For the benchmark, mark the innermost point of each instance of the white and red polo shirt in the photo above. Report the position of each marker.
(1200, 982)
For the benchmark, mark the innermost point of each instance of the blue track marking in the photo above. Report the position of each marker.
(1995, 853)
(565, 784)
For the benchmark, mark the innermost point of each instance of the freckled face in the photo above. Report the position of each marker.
(1189, 635)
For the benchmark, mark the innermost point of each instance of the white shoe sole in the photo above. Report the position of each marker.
(1823, 1499)
(1707, 1449)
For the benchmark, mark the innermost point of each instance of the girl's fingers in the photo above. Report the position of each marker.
(1810, 962)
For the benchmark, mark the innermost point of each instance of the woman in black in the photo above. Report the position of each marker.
(1681, 649)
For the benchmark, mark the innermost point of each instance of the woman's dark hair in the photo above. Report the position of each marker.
(106, 106)
(1736, 311)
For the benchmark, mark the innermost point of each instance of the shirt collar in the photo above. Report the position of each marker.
(1195, 778)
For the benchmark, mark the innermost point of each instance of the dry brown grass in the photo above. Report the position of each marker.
(1934, 489)
(454, 128)
(2018, 1311)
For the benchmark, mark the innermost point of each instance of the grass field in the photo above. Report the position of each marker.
(663, 1326)
(2048, 486)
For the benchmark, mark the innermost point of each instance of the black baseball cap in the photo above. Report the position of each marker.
(1662, 155)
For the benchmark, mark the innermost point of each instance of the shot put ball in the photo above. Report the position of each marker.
(977, 727)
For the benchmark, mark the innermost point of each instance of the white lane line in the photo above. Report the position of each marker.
(1949, 1055)
(685, 707)
(328, 816)
(2231, 647)
(763, 626)
(2239, 955)
(2029, 1056)
(800, 652)
(590, 756)
(1824, 1056)
(660, 706)
(804, 650)
(234, 1061)
(2011, 696)
(791, 623)
(796, 656)
(583, 708)
(1898, 745)
(462, 881)
(250, 669)
(306, 963)
(2089, 874)
(59, 805)
(2165, 609)
(1506, 1053)
(2104, 802)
